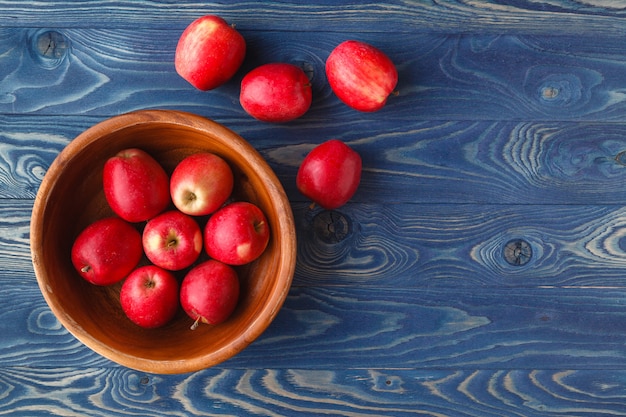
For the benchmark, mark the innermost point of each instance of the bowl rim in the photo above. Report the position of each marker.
(286, 266)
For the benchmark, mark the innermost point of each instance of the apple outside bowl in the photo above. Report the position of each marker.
(71, 197)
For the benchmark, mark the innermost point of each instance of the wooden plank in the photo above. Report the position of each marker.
(425, 245)
(442, 77)
(467, 162)
(457, 246)
(15, 255)
(421, 162)
(341, 327)
(90, 76)
(489, 328)
(489, 16)
(338, 392)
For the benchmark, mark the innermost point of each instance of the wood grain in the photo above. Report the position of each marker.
(466, 162)
(15, 255)
(433, 245)
(366, 392)
(442, 76)
(437, 162)
(463, 245)
(344, 327)
(598, 17)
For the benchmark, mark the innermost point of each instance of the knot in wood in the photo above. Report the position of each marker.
(330, 226)
(620, 158)
(50, 47)
(517, 252)
(549, 93)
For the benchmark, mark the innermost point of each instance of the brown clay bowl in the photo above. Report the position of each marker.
(71, 197)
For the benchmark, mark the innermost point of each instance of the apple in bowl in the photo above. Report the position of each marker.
(150, 297)
(135, 185)
(209, 293)
(106, 251)
(237, 234)
(172, 240)
(201, 183)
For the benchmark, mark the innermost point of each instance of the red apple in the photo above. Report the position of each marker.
(330, 174)
(149, 296)
(135, 185)
(276, 92)
(361, 75)
(201, 183)
(209, 292)
(209, 52)
(172, 240)
(237, 233)
(106, 251)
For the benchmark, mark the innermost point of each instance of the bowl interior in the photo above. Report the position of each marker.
(71, 197)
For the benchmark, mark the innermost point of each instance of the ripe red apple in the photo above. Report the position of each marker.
(135, 185)
(237, 233)
(106, 251)
(209, 292)
(361, 75)
(276, 92)
(330, 174)
(209, 52)
(201, 183)
(172, 240)
(149, 296)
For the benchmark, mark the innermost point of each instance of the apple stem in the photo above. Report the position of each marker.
(195, 324)
(395, 93)
(85, 269)
(312, 206)
(259, 225)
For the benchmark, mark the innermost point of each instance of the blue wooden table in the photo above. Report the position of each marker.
(480, 269)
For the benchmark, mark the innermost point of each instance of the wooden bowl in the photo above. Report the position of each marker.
(71, 197)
